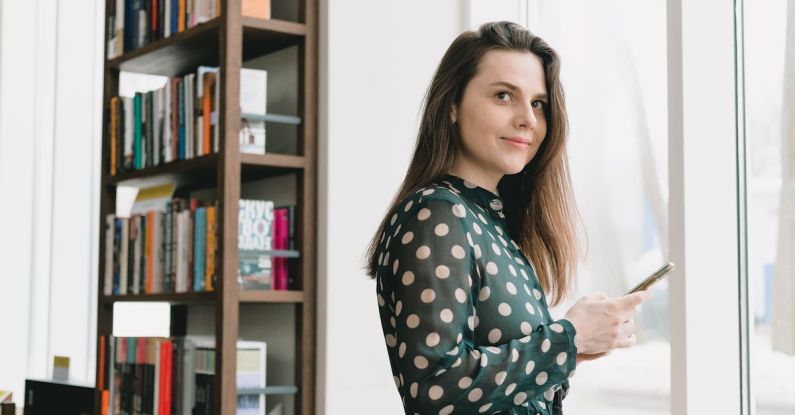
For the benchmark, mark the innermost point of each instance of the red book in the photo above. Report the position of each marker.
(280, 241)
(167, 384)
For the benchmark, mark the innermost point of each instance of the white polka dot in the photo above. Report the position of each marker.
(458, 252)
(549, 394)
(485, 292)
(511, 288)
(519, 398)
(477, 229)
(407, 237)
(408, 278)
(545, 345)
(398, 307)
(460, 336)
(397, 229)
(442, 271)
(457, 363)
(428, 295)
(413, 321)
(447, 410)
(514, 355)
(477, 321)
(394, 218)
(477, 251)
(509, 389)
(556, 327)
(397, 381)
(541, 378)
(524, 274)
(395, 266)
(432, 340)
(380, 301)
(484, 360)
(446, 315)
(390, 340)
(512, 269)
(469, 239)
(413, 389)
(542, 405)
(491, 268)
(502, 241)
(537, 294)
(561, 359)
(408, 206)
(495, 335)
(504, 309)
(441, 229)
(484, 408)
(459, 211)
(471, 323)
(496, 249)
(529, 368)
(423, 252)
(475, 395)
(380, 258)
(421, 362)
(475, 354)
(402, 349)
(435, 392)
(453, 352)
(482, 219)
(465, 382)
(423, 214)
(526, 328)
(427, 192)
(500, 377)
(530, 308)
(571, 374)
(387, 241)
(460, 295)
(392, 321)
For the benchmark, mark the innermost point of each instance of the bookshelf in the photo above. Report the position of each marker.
(228, 41)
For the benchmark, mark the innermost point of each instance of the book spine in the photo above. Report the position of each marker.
(167, 226)
(200, 235)
(210, 249)
(137, 138)
(110, 231)
(142, 238)
(125, 253)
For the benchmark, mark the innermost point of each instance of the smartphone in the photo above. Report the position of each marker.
(653, 278)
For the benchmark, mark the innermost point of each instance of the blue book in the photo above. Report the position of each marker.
(174, 17)
(199, 235)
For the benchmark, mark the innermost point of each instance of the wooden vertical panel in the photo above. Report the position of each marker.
(227, 309)
(307, 227)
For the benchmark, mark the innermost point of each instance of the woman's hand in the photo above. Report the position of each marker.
(604, 324)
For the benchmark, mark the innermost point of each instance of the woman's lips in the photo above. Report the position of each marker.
(517, 142)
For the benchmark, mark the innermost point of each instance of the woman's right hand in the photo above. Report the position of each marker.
(603, 324)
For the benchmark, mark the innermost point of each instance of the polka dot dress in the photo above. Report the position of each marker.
(465, 320)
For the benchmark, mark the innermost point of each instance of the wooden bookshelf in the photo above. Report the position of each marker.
(227, 41)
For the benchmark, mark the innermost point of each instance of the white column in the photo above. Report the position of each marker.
(703, 177)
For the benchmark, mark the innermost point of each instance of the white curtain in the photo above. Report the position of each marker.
(783, 309)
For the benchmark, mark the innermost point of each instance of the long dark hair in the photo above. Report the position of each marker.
(539, 204)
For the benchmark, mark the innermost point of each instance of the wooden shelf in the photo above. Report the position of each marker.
(182, 172)
(271, 296)
(173, 298)
(198, 45)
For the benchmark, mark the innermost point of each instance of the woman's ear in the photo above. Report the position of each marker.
(454, 114)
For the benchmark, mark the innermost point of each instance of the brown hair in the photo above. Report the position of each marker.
(538, 201)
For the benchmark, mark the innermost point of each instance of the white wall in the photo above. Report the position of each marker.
(376, 61)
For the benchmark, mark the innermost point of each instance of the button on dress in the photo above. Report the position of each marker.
(465, 320)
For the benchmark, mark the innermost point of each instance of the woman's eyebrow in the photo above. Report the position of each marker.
(513, 87)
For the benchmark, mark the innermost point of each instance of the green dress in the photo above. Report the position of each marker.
(465, 320)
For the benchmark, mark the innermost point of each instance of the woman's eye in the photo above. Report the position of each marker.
(502, 95)
(541, 105)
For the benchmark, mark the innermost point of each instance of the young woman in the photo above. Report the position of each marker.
(481, 232)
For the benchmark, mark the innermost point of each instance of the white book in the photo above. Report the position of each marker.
(110, 232)
(125, 248)
(253, 91)
(119, 28)
(167, 19)
(167, 148)
(215, 116)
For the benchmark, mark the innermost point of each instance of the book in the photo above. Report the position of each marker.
(255, 234)
(253, 101)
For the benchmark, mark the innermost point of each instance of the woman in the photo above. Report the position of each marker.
(481, 231)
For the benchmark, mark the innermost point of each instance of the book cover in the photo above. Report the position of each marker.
(199, 240)
(210, 247)
(255, 233)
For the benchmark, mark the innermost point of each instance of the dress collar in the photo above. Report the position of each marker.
(482, 197)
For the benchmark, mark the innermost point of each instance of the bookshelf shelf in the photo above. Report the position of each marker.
(175, 298)
(181, 171)
(199, 46)
(271, 296)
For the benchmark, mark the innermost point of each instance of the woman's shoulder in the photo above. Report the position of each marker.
(433, 196)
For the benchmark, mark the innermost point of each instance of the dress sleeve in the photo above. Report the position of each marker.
(441, 370)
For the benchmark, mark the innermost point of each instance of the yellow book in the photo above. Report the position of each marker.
(210, 249)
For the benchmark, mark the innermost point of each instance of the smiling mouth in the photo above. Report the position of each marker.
(517, 142)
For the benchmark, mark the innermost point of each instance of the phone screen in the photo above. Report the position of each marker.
(653, 278)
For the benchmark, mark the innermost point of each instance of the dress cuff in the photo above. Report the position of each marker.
(571, 334)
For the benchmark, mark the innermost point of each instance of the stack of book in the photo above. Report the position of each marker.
(134, 23)
(176, 122)
(266, 243)
(163, 251)
(176, 375)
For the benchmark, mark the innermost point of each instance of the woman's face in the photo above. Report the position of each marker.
(501, 115)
